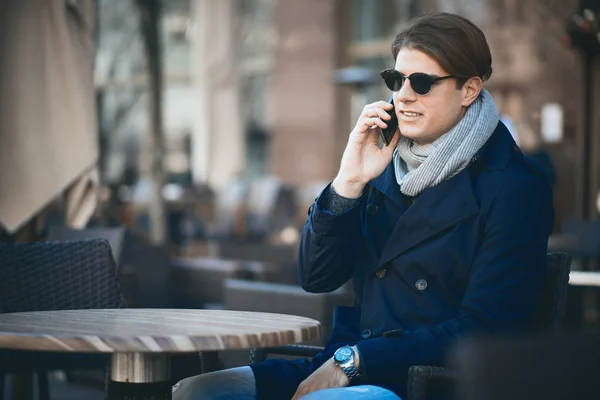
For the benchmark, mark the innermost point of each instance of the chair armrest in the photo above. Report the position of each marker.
(420, 376)
(300, 350)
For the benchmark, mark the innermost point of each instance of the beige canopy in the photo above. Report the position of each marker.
(48, 140)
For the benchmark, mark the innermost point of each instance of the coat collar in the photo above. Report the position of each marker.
(499, 149)
(441, 206)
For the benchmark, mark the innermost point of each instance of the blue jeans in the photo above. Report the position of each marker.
(238, 384)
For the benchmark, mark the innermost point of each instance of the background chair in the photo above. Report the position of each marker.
(423, 379)
(142, 268)
(49, 276)
(545, 367)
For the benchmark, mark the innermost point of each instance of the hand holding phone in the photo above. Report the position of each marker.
(364, 158)
(392, 125)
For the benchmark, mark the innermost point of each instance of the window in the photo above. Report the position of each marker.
(255, 52)
(381, 19)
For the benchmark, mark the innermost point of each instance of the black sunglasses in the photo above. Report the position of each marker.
(419, 82)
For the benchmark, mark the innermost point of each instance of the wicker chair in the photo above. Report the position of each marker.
(421, 378)
(48, 276)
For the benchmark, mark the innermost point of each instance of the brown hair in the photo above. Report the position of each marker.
(457, 44)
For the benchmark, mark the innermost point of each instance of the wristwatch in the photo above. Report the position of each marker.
(344, 357)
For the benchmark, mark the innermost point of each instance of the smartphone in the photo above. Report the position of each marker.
(392, 125)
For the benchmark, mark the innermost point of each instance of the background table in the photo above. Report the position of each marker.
(141, 340)
(584, 278)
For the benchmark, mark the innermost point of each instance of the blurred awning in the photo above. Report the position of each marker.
(48, 141)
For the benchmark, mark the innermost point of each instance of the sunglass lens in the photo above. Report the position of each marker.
(393, 80)
(397, 82)
(392, 83)
(420, 83)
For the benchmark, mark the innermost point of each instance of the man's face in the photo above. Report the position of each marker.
(436, 112)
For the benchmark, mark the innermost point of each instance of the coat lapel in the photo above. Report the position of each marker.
(436, 209)
(386, 183)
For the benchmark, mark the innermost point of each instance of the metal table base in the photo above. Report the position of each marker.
(139, 376)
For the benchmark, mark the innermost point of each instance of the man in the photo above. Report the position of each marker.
(444, 230)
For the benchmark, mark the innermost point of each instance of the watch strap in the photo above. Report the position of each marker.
(351, 372)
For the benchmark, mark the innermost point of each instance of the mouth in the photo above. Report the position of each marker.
(409, 115)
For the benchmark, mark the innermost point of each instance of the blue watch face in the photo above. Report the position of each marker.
(343, 354)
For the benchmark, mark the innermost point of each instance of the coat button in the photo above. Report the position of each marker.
(380, 273)
(366, 334)
(372, 208)
(421, 284)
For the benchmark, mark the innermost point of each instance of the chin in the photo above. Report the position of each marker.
(418, 134)
(411, 133)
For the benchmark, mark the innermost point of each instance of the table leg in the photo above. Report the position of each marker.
(139, 376)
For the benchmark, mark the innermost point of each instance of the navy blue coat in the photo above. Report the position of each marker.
(466, 257)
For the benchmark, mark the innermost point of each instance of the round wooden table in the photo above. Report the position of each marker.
(140, 340)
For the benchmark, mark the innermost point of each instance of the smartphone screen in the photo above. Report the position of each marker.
(392, 125)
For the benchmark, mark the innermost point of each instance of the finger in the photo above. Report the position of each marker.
(371, 111)
(370, 123)
(377, 112)
(385, 114)
(381, 103)
(387, 106)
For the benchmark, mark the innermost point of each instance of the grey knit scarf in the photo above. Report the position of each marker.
(419, 167)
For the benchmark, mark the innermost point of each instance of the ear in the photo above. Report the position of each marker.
(471, 90)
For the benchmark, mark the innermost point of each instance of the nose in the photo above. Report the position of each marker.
(406, 94)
